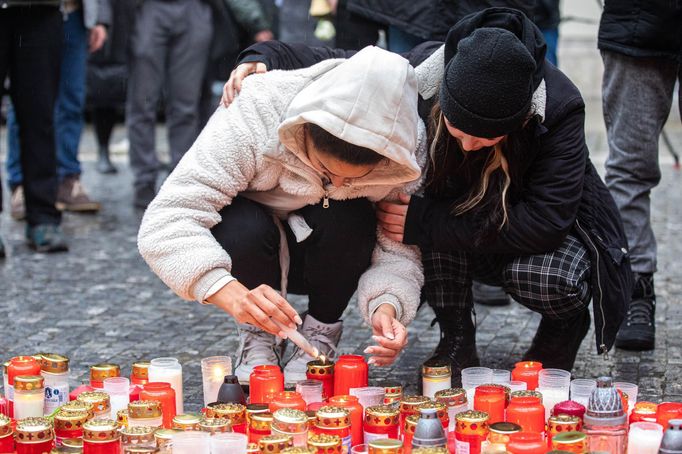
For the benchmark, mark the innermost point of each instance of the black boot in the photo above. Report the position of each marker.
(638, 331)
(457, 345)
(104, 164)
(557, 342)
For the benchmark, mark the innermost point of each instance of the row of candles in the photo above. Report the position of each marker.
(333, 412)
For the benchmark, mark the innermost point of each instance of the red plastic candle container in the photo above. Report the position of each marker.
(334, 421)
(409, 406)
(351, 404)
(381, 421)
(69, 424)
(19, 365)
(528, 412)
(235, 413)
(260, 425)
(492, 400)
(350, 372)
(322, 371)
(526, 443)
(667, 411)
(287, 399)
(140, 373)
(163, 393)
(99, 372)
(34, 436)
(6, 435)
(644, 412)
(527, 371)
(264, 382)
(408, 428)
(101, 436)
(569, 407)
(471, 430)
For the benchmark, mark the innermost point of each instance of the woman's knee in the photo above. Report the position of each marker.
(347, 223)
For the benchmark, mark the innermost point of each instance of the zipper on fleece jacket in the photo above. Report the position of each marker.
(312, 177)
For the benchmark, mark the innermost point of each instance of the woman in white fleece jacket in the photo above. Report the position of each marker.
(277, 193)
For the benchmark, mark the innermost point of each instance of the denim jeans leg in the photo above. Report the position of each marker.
(14, 174)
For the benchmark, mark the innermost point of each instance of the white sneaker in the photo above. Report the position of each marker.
(321, 335)
(256, 348)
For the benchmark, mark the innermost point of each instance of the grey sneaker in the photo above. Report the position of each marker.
(17, 205)
(321, 335)
(256, 348)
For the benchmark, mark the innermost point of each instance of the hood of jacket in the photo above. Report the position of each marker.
(509, 19)
(369, 100)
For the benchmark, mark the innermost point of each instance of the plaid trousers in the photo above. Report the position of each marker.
(555, 284)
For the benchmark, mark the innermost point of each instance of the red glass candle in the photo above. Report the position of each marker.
(667, 411)
(334, 421)
(569, 407)
(492, 400)
(140, 373)
(101, 436)
(99, 372)
(526, 443)
(264, 382)
(19, 365)
(322, 371)
(527, 371)
(350, 371)
(351, 404)
(6, 435)
(528, 412)
(163, 393)
(381, 421)
(644, 412)
(34, 436)
(287, 399)
(260, 425)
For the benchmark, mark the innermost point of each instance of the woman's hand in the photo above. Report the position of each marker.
(234, 84)
(256, 307)
(391, 217)
(98, 34)
(389, 334)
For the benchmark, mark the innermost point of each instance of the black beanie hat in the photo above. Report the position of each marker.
(488, 84)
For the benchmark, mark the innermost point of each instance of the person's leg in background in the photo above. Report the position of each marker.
(13, 165)
(34, 79)
(6, 31)
(637, 96)
(325, 268)
(188, 57)
(68, 116)
(147, 70)
(552, 38)
(104, 120)
(400, 41)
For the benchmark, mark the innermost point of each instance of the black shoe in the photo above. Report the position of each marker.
(489, 295)
(144, 196)
(457, 345)
(638, 331)
(556, 343)
(104, 164)
(46, 238)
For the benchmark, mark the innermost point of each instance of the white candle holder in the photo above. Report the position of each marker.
(169, 370)
(213, 371)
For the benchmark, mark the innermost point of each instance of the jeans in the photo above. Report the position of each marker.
(68, 111)
(552, 39)
(400, 41)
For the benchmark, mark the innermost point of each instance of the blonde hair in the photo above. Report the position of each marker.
(496, 161)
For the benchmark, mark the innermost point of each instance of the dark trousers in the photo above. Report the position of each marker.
(30, 52)
(555, 284)
(326, 266)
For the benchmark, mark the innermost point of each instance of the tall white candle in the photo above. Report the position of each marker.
(551, 397)
(213, 371)
(169, 370)
(644, 438)
(28, 404)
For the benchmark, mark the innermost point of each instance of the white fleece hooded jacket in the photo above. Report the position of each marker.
(254, 148)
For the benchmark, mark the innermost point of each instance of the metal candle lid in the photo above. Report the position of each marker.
(5, 426)
(382, 416)
(504, 428)
(28, 382)
(98, 399)
(140, 370)
(333, 417)
(319, 367)
(472, 422)
(273, 444)
(436, 369)
(236, 413)
(299, 450)
(527, 393)
(74, 445)
(144, 409)
(215, 425)
(569, 438)
(122, 418)
(252, 409)
(261, 421)
(186, 422)
(33, 430)
(100, 431)
(440, 408)
(290, 420)
(324, 442)
(411, 423)
(54, 364)
(409, 404)
(140, 450)
(452, 397)
(672, 440)
(99, 372)
(137, 435)
(66, 421)
(605, 406)
(384, 446)
(77, 406)
(430, 450)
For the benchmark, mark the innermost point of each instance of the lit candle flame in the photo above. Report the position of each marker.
(323, 359)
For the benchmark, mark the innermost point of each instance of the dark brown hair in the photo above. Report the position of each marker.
(344, 151)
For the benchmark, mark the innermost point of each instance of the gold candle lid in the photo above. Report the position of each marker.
(100, 431)
(382, 416)
(299, 450)
(472, 422)
(431, 450)
(261, 421)
(526, 393)
(28, 382)
(568, 438)
(436, 369)
(319, 367)
(452, 397)
(54, 364)
(187, 421)
(140, 370)
(252, 409)
(33, 430)
(140, 450)
(411, 423)
(324, 441)
(563, 419)
(273, 444)
(137, 435)
(236, 413)
(122, 418)
(144, 409)
(77, 406)
(384, 446)
(504, 428)
(5, 426)
(70, 420)
(440, 407)
(99, 372)
(472, 416)
(409, 404)
(252, 448)
(333, 417)
(164, 434)
(69, 446)
(290, 420)
(98, 399)
(215, 425)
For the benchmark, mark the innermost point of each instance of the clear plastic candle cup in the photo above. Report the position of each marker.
(517, 385)
(644, 438)
(118, 389)
(473, 377)
(191, 442)
(554, 385)
(581, 389)
(370, 396)
(310, 390)
(631, 390)
(501, 377)
(213, 371)
(228, 443)
(168, 370)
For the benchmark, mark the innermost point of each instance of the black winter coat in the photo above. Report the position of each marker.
(559, 193)
(638, 28)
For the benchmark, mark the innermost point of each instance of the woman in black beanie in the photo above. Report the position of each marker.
(512, 198)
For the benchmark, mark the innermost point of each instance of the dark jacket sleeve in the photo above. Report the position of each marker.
(539, 221)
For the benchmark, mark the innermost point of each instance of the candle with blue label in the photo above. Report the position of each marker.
(55, 370)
